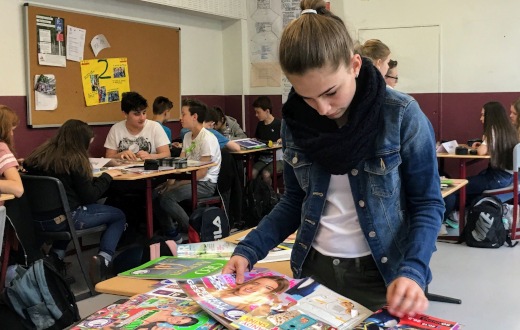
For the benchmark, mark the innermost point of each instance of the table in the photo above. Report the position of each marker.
(126, 286)
(6, 197)
(456, 185)
(464, 161)
(248, 155)
(191, 171)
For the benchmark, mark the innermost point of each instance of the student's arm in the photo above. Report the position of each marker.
(12, 184)
(162, 152)
(203, 171)
(232, 146)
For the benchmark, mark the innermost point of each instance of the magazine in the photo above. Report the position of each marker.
(249, 143)
(214, 249)
(166, 307)
(381, 319)
(268, 300)
(175, 268)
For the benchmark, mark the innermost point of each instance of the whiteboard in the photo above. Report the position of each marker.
(417, 51)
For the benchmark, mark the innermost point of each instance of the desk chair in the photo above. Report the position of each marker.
(46, 194)
(511, 192)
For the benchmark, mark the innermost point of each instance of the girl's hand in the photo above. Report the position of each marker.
(405, 297)
(238, 265)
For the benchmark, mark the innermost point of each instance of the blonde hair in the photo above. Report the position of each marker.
(374, 49)
(314, 40)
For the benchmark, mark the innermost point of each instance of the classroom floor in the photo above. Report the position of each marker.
(485, 279)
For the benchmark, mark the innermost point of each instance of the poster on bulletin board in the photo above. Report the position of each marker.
(104, 80)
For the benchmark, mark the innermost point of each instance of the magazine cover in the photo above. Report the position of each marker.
(176, 268)
(214, 249)
(306, 305)
(157, 309)
(384, 320)
(220, 296)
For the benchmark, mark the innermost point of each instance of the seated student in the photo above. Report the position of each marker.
(10, 182)
(65, 156)
(377, 52)
(136, 137)
(391, 76)
(198, 144)
(161, 113)
(228, 126)
(209, 124)
(267, 129)
(498, 141)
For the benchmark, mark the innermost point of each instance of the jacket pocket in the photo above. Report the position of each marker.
(299, 163)
(383, 174)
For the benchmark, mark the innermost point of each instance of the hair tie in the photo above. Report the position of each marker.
(309, 11)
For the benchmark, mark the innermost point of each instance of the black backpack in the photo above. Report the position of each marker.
(40, 297)
(208, 224)
(259, 199)
(484, 224)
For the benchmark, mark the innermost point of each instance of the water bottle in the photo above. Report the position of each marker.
(227, 132)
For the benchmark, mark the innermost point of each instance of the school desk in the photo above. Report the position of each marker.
(146, 178)
(464, 161)
(453, 187)
(249, 156)
(6, 197)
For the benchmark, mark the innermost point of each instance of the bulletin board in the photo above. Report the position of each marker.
(153, 63)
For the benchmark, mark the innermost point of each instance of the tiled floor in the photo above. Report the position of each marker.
(485, 279)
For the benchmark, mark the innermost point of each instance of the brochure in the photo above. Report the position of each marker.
(381, 319)
(176, 268)
(214, 249)
(166, 307)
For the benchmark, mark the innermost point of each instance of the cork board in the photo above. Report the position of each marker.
(152, 51)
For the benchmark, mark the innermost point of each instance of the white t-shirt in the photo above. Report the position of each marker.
(339, 234)
(149, 139)
(205, 144)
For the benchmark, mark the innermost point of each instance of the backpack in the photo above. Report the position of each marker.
(208, 224)
(485, 225)
(137, 255)
(41, 297)
(259, 199)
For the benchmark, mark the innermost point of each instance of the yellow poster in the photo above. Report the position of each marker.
(104, 80)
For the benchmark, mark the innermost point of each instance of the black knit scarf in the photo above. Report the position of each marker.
(339, 150)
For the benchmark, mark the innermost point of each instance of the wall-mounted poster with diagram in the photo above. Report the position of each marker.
(104, 80)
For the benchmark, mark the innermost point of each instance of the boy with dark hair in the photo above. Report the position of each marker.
(267, 129)
(136, 137)
(198, 144)
(161, 112)
(228, 126)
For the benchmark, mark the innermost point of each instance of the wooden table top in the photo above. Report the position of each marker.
(6, 197)
(456, 185)
(138, 176)
(447, 155)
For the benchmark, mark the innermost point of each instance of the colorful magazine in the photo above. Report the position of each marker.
(176, 268)
(268, 300)
(161, 308)
(384, 320)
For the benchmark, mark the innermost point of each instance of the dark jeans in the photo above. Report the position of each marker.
(356, 278)
(489, 178)
(89, 216)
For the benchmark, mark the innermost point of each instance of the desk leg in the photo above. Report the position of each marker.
(275, 173)
(249, 165)
(462, 198)
(194, 197)
(149, 208)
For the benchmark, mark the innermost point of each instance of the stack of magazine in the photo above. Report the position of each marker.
(265, 300)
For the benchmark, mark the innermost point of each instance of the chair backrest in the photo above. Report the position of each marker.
(45, 193)
(516, 157)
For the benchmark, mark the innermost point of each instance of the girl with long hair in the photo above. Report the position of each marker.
(10, 182)
(514, 115)
(65, 156)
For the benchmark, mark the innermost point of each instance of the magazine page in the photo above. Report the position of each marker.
(160, 308)
(384, 320)
(176, 268)
(220, 296)
(214, 249)
(307, 304)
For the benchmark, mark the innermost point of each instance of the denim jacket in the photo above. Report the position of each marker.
(396, 192)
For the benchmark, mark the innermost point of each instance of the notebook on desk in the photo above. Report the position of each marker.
(250, 143)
